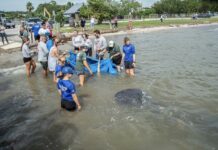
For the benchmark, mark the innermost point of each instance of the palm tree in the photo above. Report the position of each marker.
(29, 7)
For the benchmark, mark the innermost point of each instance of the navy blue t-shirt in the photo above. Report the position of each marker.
(35, 29)
(128, 50)
(67, 88)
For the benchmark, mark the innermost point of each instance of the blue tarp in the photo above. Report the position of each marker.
(106, 65)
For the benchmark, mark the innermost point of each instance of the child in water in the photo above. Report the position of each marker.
(129, 57)
(58, 68)
(67, 91)
(81, 63)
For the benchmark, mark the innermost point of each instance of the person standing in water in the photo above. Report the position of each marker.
(100, 45)
(67, 91)
(27, 58)
(35, 30)
(129, 57)
(115, 54)
(53, 57)
(81, 63)
(60, 65)
(43, 54)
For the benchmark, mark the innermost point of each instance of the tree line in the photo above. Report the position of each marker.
(107, 9)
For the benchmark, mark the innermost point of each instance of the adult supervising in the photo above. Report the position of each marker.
(100, 45)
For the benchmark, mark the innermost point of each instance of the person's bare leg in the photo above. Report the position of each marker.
(28, 66)
(81, 80)
(54, 78)
(33, 65)
(131, 72)
(127, 71)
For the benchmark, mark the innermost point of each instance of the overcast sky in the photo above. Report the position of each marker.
(15, 5)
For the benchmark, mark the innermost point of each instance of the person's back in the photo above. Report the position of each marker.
(26, 51)
(67, 88)
(35, 29)
(81, 56)
(43, 52)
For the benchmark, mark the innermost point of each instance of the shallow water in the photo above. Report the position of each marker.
(178, 71)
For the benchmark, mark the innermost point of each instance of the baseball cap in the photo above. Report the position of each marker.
(67, 70)
(111, 44)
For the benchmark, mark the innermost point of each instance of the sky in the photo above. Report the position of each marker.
(20, 5)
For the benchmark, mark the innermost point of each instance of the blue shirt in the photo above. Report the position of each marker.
(58, 69)
(49, 44)
(128, 50)
(67, 89)
(35, 29)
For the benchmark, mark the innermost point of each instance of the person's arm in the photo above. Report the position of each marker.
(118, 52)
(59, 91)
(87, 66)
(75, 98)
(45, 49)
(55, 53)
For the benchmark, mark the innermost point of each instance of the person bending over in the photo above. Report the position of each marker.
(115, 54)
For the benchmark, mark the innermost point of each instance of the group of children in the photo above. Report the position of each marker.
(52, 60)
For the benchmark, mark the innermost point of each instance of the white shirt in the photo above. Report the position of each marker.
(43, 31)
(43, 52)
(88, 43)
(26, 51)
(78, 41)
(100, 43)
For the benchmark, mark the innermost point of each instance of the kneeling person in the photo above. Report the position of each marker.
(115, 54)
(67, 90)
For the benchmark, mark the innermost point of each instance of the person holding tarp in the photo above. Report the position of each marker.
(100, 45)
(81, 64)
(115, 54)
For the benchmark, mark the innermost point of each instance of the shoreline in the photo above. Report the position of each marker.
(155, 29)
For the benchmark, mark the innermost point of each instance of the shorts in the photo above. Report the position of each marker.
(117, 60)
(128, 65)
(37, 37)
(68, 105)
(89, 52)
(25, 60)
(44, 65)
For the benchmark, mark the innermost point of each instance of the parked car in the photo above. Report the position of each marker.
(30, 22)
(9, 24)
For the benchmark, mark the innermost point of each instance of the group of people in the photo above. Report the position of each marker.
(52, 61)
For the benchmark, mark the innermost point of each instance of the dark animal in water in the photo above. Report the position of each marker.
(131, 97)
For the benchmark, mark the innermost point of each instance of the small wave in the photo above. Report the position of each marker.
(13, 70)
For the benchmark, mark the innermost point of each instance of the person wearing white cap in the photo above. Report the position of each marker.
(115, 54)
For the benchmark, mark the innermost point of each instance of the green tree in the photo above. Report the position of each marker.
(101, 9)
(29, 7)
